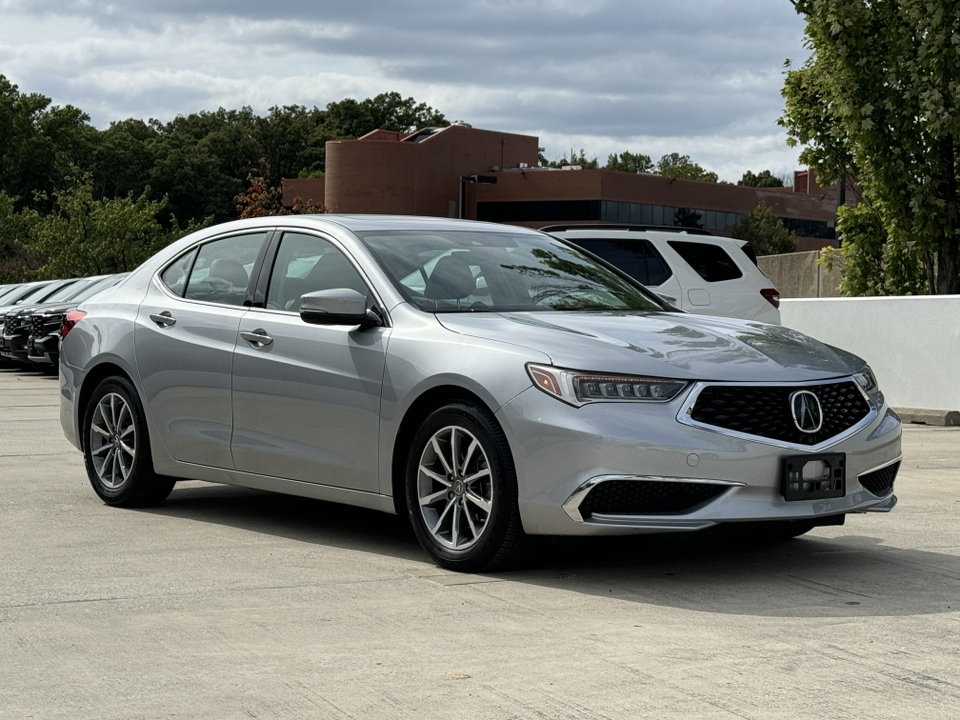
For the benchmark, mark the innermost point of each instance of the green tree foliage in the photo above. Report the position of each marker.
(674, 165)
(17, 261)
(86, 236)
(762, 179)
(878, 100)
(575, 158)
(872, 263)
(39, 144)
(765, 232)
(630, 162)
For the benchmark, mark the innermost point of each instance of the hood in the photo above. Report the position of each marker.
(674, 345)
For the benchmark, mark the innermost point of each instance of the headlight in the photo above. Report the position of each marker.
(580, 388)
(866, 379)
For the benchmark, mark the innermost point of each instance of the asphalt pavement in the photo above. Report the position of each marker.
(233, 603)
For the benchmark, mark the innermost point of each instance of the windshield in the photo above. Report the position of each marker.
(468, 271)
(67, 291)
(95, 287)
(37, 294)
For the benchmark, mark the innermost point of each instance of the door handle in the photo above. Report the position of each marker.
(258, 338)
(164, 319)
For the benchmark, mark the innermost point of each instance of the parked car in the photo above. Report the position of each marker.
(14, 326)
(41, 325)
(696, 271)
(487, 381)
(24, 295)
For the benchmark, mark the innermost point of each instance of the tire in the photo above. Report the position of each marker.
(463, 505)
(116, 447)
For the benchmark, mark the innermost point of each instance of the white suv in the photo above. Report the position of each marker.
(694, 270)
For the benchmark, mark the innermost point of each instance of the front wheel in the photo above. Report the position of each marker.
(116, 447)
(462, 490)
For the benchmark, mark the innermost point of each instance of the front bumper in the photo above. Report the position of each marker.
(561, 451)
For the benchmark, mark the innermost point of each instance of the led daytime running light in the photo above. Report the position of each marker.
(578, 388)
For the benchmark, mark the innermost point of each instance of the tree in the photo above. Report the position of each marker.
(674, 165)
(762, 179)
(878, 100)
(17, 261)
(575, 159)
(85, 236)
(630, 162)
(262, 199)
(765, 232)
(39, 144)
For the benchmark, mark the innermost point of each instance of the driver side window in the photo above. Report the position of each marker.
(305, 264)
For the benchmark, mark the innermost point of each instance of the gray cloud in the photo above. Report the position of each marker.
(607, 71)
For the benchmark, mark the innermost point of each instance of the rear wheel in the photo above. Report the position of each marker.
(462, 490)
(116, 448)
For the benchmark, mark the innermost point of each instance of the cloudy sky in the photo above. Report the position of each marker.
(698, 77)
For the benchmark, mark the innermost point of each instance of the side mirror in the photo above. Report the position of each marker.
(340, 306)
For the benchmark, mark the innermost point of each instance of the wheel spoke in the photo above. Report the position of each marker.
(436, 527)
(431, 499)
(468, 456)
(478, 501)
(476, 476)
(455, 525)
(439, 452)
(127, 449)
(473, 528)
(434, 476)
(100, 450)
(99, 429)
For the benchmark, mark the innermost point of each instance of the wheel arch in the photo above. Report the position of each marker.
(93, 378)
(418, 411)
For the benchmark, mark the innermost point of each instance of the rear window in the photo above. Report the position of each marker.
(638, 258)
(710, 261)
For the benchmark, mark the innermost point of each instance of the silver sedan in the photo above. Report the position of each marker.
(488, 382)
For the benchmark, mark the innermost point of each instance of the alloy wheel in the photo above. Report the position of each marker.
(455, 488)
(113, 440)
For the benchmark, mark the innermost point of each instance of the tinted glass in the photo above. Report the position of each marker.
(175, 276)
(222, 269)
(637, 258)
(460, 271)
(94, 288)
(67, 291)
(37, 294)
(710, 261)
(305, 264)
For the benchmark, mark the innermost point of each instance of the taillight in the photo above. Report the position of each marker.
(772, 295)
(69, 320)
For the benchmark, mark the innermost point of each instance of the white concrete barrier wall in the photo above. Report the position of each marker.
(912, 343)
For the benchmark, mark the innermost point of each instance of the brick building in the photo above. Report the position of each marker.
(459, 171)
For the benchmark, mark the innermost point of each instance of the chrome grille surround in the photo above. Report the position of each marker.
(687, 412)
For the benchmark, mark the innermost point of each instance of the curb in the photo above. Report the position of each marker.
(942, 418)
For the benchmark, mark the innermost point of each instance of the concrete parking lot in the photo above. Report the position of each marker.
(231, 603)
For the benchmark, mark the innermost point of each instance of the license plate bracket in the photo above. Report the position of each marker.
(813, 477)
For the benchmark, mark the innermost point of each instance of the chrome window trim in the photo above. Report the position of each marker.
(378, 300)
(572, 505)
(683, 416)
(158, 280)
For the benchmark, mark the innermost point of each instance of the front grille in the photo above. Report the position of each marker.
(764, 410)
(646, 497)
(36, 326)
(8, 325)
(880, 482)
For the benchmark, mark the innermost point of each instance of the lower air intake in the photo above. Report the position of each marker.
(647, 497)
(880, 482)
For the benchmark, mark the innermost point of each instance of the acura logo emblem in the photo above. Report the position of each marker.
(805, 408)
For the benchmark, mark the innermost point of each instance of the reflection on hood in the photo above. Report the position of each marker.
(691, 347)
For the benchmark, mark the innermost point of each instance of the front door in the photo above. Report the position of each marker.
(306, 398)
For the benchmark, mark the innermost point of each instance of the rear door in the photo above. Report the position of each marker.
(185, 337)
